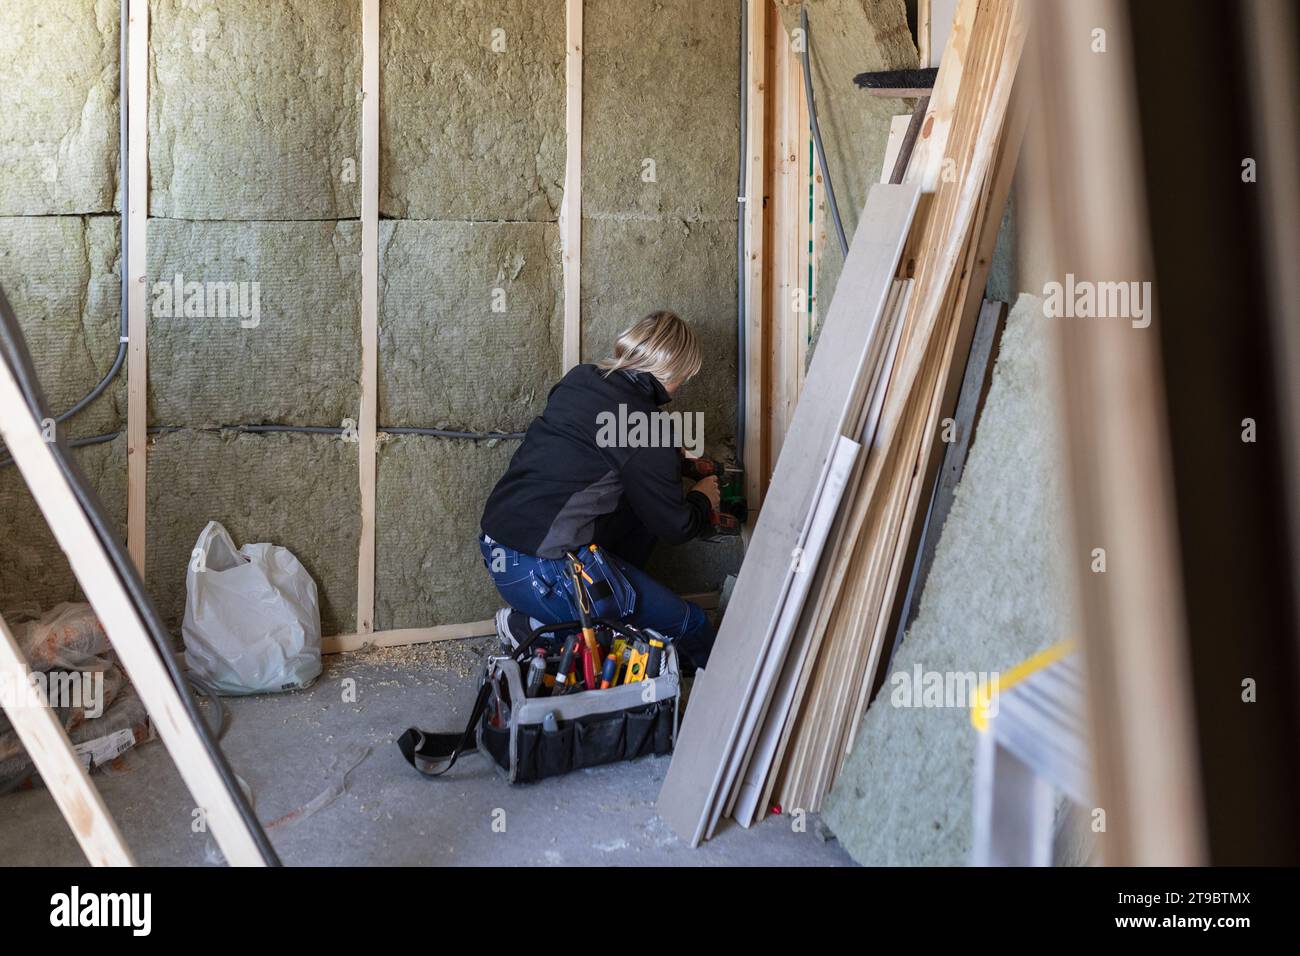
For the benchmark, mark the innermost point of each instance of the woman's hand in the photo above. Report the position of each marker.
(709, 488)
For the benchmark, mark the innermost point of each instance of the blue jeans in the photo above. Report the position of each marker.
(658, 608)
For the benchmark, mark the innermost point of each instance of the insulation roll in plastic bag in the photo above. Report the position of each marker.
(252, 618)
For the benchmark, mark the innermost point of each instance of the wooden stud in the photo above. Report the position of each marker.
(787, 321)
(922, 33)
(755, 121)
(775, 38)
(406, 636)
(137, 372)
(571, 206)
(57, 762)
(366, 427)
(801, 137)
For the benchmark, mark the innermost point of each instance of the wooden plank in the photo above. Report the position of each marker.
(99, 580)
(954, 209)
(137, 365)
(571, 206)
(774, 737)
(922, 34)
(403, 637)
(803, 266)
(756, 140)
(826, 614)
(788, 285)
(971, 306)
(897, 133)
(57, 762)
(819, 525)
(835, 384)
(1087, 176)
(866, 634)
(859, 591)
(366, 426)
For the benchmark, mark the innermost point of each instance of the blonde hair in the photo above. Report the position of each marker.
(661, 344)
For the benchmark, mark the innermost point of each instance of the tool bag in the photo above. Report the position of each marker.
(590, 727)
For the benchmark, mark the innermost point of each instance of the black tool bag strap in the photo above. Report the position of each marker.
(435, 754)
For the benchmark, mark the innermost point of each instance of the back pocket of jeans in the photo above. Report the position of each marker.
(553, 593)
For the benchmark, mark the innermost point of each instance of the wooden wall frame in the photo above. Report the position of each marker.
(137, 213)
(571, 206)
(366, 426)
(764, 24)
(759, 15)
(923, 15)
(789, 299)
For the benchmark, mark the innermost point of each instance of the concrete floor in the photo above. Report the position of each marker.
(295, 751)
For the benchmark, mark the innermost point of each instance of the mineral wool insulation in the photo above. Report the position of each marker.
(254, 147)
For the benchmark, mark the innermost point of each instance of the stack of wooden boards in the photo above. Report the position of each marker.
(774, 714)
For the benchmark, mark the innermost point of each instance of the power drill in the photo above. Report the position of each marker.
(733, 510)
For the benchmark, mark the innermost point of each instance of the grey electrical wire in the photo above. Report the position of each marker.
(446, 433)
(817, 133)
(295, 429)
(123, 285)
(221, 723)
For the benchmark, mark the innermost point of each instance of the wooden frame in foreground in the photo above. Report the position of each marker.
(126, 631)
(52, 752)
(1086, 180)
(137, 213)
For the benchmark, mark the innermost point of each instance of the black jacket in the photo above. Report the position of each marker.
(561, 480)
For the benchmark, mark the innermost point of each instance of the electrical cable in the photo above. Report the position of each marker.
(294, 429)
(445, 433)
(14, 353)
(219, 709)
(817, 133)
(120, 358)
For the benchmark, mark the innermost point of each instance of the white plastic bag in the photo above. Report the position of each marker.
(252, 619)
